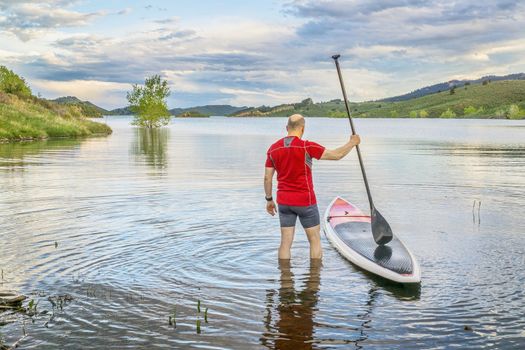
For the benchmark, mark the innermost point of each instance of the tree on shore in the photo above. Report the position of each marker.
(12, 83)
(148, 103)
(448, 114)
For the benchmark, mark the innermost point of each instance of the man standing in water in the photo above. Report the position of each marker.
(292, 158)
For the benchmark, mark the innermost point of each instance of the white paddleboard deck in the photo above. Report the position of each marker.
(349, 230)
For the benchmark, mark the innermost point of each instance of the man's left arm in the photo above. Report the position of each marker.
(268, 179)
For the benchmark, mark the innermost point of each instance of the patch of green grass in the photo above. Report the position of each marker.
(34, 118)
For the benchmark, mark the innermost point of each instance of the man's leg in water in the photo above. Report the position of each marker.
(314, 237)
(287, 234)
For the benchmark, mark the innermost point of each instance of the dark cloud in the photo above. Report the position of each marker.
(124, 11)
(426, 24)
(344, 9)
(179, 34)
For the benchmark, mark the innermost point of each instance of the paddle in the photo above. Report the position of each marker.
(380, 228)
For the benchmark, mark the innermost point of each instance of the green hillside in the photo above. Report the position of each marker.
(192, 114)
(208, 110)
(499, 99)
(88, 109)
(27, 117)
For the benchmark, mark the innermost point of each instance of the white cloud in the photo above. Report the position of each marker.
(30, 19)
(91, 90)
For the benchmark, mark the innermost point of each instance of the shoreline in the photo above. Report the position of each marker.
(357, 117)
(51, 138)
(309, 116)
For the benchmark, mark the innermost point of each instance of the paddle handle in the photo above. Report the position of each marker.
(336, 59)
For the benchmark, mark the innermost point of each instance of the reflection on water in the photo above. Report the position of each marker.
(289, 318)
(149, 146)
(13, 154)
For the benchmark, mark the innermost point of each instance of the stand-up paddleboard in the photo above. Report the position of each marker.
(349, 230)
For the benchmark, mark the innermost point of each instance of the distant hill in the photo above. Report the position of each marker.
(216, 110)
(490, 97)
(88, 109)
(432, 89)
(120, 111)
(192, 114)
(280, 110)
(497, 99)
(207, 110)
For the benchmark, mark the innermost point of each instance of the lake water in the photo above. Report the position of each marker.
(137, 224)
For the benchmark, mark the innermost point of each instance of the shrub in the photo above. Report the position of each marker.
(423, 114)
(448, 114)
(149, 105)
(413, 114)
(11, 83)
(511, 112)
(394, 114)
(514, 112)
(470, 110)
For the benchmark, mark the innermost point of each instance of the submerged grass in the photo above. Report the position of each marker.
(34, 118)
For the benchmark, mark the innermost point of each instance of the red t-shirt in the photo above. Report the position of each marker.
(292, 159)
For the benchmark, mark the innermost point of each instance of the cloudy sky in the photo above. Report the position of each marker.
(256, 52)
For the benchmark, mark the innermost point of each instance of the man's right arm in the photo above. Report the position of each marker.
(341, 152)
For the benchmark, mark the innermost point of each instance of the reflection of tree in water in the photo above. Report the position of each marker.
(149, 146)
(290, 321)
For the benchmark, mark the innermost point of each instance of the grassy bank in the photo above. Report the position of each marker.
(29, 118)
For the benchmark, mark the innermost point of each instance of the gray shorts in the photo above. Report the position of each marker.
(308, 215)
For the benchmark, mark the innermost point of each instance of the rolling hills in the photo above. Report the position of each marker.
(88, 109)
(432, 89)
(487, 97)
(497, 99)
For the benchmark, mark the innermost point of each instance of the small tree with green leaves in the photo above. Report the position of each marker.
(394, 114)
(481, 110)
(413, 114)
(448, 114)
(148, 103)
(514, 112)
(423, 114)
(470, 110)
(12, 83)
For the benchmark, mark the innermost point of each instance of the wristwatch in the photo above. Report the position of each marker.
(269, 199)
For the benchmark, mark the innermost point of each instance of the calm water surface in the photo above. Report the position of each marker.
(145, 222)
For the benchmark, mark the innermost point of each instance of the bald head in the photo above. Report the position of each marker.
(295, 122)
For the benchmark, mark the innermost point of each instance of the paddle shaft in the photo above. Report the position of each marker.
(336, 57)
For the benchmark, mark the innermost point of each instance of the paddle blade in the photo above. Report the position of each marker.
(380, 228)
